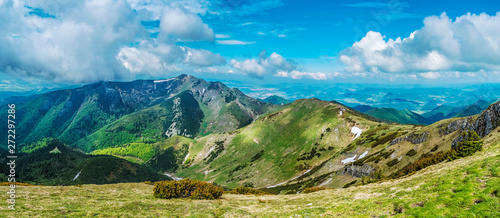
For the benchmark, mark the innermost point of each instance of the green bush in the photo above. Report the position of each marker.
(471, 144)
(314, 189)
(467, 147)
(411, 152)
(392, 162)
(187, 188)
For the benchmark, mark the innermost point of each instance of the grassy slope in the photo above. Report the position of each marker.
(303, 126)
(447, 189)
(148, 125)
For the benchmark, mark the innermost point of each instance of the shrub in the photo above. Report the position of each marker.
(469, 146)
(411, 152)
(247, 191)
(314, 189)
(349, 184)
(392, 162)
(248, 184)
(187, 188)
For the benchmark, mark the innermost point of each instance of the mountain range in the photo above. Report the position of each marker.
(190, 128)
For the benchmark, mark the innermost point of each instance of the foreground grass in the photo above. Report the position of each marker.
(467, 187)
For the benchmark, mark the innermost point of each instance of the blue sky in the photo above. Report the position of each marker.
(258, 42)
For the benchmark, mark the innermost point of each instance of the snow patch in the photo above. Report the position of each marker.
(172, 176)
(185, 158)
(209, 151)
(77, 175)
(353, 158)
(357, 131)
(326, 182)
(165, 80)
(363, 155)
(349, 159)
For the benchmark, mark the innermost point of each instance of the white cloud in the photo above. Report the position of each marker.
(155, 59)
(233, 42)
(202, 58)
(294, 74)
(264, 65)
(430, 75)
(187, 26)
(250, 66)
(91, 40)
(469, 43)
(222, 36)
(207, 70)
(154, 8)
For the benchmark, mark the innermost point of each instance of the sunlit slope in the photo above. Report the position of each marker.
(311, 143)
(276, 147)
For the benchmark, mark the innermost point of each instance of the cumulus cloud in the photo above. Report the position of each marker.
(91, 40)
(179, 22)
(157, 58)
(202, 58)
(264, 65)
(468, 43)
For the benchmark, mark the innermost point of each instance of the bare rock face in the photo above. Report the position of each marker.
(486, 122)
(358, 171)
(414, 138)
(454, 126)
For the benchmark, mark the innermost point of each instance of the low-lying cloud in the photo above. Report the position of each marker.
(264, 65)
(469, 43)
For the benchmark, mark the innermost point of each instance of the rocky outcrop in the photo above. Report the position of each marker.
(414, 138)
(358, 171)
(454, 126)
(486, 122)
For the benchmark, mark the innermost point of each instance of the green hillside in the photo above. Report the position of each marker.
(397, 116)
(51, 162)
(311, 143)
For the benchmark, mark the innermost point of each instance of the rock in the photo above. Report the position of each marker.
(414, 138)
(358, 171)
(454, 126)
(486, 122)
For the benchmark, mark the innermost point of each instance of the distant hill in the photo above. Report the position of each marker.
(473, 109)
(362, 108)
(398, 116)
(274, 99)
(439, 113)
